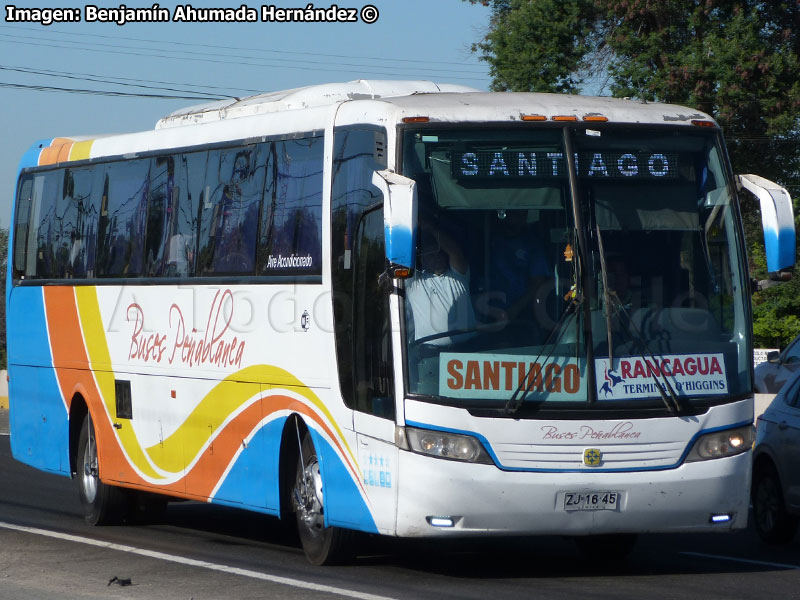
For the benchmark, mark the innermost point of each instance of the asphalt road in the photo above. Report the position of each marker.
(200, 551)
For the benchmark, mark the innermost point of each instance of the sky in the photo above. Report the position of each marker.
(42, 66)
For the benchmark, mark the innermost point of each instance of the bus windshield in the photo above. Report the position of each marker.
(536, 274)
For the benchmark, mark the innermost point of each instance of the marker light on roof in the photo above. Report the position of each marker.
(700, 123)
(416, 119)
(595, 118)
(564, 118)
(533, 118)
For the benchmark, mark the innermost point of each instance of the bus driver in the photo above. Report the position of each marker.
(438, 294)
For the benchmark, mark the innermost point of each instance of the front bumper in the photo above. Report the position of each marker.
(482, 499)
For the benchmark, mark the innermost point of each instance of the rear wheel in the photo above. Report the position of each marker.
(773, 523)
(322, 545)
(102, 504)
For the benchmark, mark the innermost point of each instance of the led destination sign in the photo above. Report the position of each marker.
(514, 164)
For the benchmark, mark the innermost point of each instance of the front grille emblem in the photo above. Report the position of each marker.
(592, 457)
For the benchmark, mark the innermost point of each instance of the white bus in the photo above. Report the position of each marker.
(394, 307)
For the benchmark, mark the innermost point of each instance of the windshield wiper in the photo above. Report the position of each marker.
(606, 295)
(583, 280)
(669, 397)
(516, 400)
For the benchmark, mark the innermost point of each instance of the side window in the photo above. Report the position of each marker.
(357, 154)
(123, 214)
(185, 214)
(792, 394)
(162, 182)
(234, 188)
(372, 333)
(24, 255)
(792, 354)
(78, 212)
(48, 235)
(291, 220)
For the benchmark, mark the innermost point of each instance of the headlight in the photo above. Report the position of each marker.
(441, 444)
(722, 443)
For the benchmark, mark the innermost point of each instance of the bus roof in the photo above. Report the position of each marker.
(304, 97)
(436, 101)
(364, 101)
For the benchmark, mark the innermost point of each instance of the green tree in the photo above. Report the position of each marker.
(737, 60)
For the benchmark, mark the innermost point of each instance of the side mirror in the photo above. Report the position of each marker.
(774, 357)
(777, 219)
(399, 220)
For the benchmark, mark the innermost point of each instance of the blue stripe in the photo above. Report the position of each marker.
(38, 419)
(399, 246)
(344, 504)
(780, 247)
(253, 480)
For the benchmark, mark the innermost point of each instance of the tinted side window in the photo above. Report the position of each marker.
(291, 220)
(372, 333)
(234, 188)
(162, 183)
(24, 255)
(184, 214)
(123, 214)
(354, 160)
(48, 236)
(78, 212)
(792, 354)
(791, 392)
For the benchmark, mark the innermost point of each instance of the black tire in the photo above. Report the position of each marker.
(102, 504)
(773, 523)
(608, 547)
(322, 545)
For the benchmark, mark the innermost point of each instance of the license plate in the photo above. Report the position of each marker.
(591, 501)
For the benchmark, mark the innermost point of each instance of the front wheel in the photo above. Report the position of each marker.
(322, 545)
(102, 504)
(773, 523)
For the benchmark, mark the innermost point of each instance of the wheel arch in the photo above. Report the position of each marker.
(78, 409)
(294, 428)
(763, 462)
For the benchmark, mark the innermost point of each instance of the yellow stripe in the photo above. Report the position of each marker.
(100, 363)
(81, 150)
(223, 400)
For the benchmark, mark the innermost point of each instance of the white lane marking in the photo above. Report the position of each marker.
(196, 563)
(742, 560)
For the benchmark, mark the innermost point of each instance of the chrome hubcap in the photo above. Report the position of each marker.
(308, 497)
(89, 470)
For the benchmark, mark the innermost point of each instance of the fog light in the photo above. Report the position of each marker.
(440, 521)
(721, 518)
